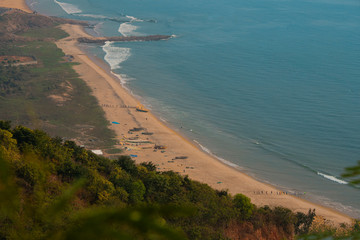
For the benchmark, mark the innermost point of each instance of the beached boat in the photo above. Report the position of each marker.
(160, 147)
(141, 108)
(147, 133)
(136, 129)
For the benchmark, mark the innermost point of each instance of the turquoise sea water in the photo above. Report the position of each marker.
(272, 86)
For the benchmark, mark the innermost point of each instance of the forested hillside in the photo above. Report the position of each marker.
(55, 189)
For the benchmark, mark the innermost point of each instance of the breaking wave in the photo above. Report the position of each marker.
(134, 19)
(123, 79)
(205, 149)
(274, 149)
(127, 29)
(68, 8)
(114, 56)
(332, 178)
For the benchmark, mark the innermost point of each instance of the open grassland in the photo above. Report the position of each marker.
(44, 33)
(50, 95)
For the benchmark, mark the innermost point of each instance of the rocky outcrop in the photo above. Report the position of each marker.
(124, 39)
(15, 21)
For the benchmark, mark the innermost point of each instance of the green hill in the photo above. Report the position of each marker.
(55, 189)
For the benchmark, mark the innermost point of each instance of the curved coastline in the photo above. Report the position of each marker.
(199, 166)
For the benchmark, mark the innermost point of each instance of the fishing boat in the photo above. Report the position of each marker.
(140, 108)
(147, 133)
(136, 129)
(160, 147)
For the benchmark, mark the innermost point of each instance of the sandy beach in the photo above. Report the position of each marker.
(198, 165)
(180, 155)
(20, 4)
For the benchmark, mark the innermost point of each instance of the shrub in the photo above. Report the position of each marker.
(243, 205)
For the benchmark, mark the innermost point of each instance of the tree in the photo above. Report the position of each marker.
(353, 173)
(126, 163)
(137, 192)
(150, 166)
(6, 140)
(24, 135)
(244, 206)
(303, 222)
(5, 125)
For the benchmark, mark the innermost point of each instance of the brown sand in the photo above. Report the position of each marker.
(20, 4)
(199, 165)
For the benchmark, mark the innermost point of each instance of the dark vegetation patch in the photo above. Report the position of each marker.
(56, 188)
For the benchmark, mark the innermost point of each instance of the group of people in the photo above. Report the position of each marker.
(277, 193)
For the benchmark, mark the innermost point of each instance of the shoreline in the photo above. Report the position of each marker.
(19, 4)
(104, 65)
(199, 165)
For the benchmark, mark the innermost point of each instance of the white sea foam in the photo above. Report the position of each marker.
(68, 8)
(205, 149)
(93, 16)
(32, 4)
(162, 119)
(228, 163)
(114, 56)
(134, 19)
(332, 178)
(97, 28)
(127, 29)
(120, 77)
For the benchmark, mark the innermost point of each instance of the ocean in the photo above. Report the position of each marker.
(271, 87)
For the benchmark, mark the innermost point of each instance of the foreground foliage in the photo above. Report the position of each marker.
(55, 189)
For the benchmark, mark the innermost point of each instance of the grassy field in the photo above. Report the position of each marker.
(52, 96)
(49, 32)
